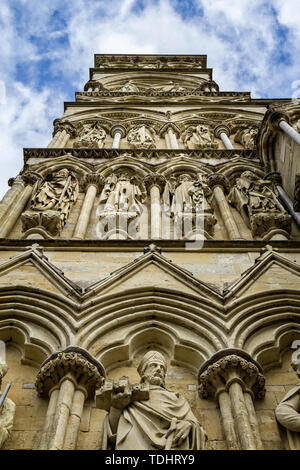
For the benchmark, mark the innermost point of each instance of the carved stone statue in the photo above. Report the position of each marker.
(255, 198)
(288, 413)
(7, 411)
(247, 137)
(120, 201)
(161, 422)
(141, 137)
(184, 197)
(184, 192)
(129, 87)
(51, 201)
(92, 136)
(199, 137)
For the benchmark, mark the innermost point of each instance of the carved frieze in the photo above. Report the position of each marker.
(199, 137)
(247, 137)
(141, 136)
(258, 204)
(91, 135)
(51, 202)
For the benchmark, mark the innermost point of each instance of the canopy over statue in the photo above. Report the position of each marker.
(164, 421)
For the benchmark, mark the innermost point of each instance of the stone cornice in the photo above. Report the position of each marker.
(162, 94)
(139, 154)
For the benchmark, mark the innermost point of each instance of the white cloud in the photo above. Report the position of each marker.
(241, 38)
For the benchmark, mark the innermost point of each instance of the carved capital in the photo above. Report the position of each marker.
(118, 128)
(85, 370)
(94, 179)
(221, 128)
(154, 179)
(218, 179)
(276, 117)
(224, 369)
(265, 222)
(67, 126)
(31, 177)
(16, 180)
(274, 177)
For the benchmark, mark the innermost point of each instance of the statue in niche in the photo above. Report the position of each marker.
(252, 194)
(161, 420)
(120, 202)
(51, 201)
(246, 137)
(199, 137)
(141, 137)
(185, 194)
(257, 202)
(184, 198)
(288, 413)
(92, 136)
(129, 87)
(7, 411)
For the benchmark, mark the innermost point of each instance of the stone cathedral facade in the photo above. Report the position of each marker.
(163, 216)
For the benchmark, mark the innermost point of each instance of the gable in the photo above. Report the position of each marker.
(150, 275)
(27, 274)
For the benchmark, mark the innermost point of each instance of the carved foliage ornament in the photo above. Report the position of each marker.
(220, 375)
(83, 371)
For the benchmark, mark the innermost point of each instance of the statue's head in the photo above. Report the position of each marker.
(64, 173)
(153, 368)
(184, 177)
(249, 175)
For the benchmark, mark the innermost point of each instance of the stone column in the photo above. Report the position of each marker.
(234, 380)
(17, 187)
(223, 132)
(62, 133)
(67, 377)
(220, 185)
(155, 184)
(29, 178)
(281, 121)
(172, 139)
(92, 183)
(118, 132)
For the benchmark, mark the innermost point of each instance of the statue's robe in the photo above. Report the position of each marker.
(143, 424)
(288, 415)
(7, 413)
(124, 196)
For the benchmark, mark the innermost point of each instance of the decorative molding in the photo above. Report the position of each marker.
(218, 375)
(139, 154)
(75, 361)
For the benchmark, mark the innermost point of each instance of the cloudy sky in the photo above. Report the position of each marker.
(47, 47)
